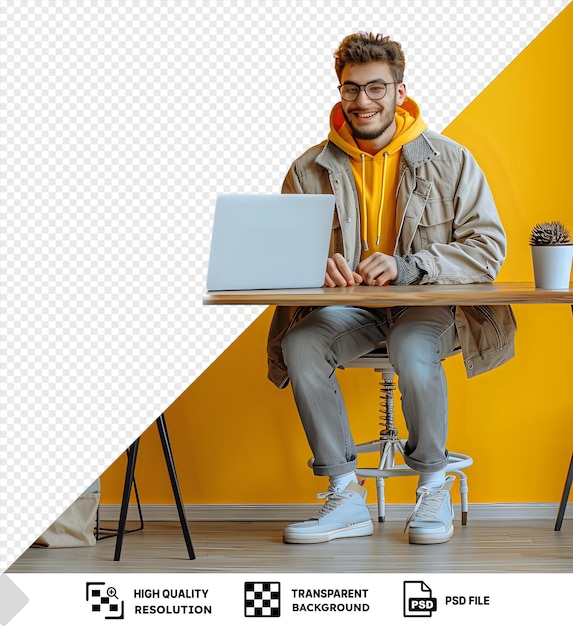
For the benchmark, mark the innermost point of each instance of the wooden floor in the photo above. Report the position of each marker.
(481, 546)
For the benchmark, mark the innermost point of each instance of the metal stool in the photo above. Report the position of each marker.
(388, 445)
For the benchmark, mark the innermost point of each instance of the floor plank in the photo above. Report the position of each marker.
(481, 546)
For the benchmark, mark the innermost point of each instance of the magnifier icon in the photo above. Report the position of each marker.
(112, 593)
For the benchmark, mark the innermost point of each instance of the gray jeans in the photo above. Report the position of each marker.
(418, 338)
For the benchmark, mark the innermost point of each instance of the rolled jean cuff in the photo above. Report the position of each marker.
(334, 470)
(424, 468)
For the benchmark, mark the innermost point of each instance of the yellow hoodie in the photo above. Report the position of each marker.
(376, 176)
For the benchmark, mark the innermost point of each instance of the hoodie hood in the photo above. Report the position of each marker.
(376, 175)
(409, 124)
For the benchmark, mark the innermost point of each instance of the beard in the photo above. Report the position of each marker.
(370, 134)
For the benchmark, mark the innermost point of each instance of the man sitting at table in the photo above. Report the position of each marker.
(412, 207)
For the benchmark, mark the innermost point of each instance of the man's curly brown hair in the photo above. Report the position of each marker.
(368, 47)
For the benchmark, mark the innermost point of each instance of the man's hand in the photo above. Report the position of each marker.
(378, 269)
(339, 274)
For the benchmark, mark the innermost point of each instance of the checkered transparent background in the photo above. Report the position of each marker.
(120, 122)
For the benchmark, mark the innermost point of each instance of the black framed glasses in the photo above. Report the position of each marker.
(375, 90)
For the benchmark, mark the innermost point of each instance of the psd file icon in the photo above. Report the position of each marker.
(418, 599)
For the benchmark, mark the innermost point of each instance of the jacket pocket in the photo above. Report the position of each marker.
(492, 335)
(436, 223)
(486, 336)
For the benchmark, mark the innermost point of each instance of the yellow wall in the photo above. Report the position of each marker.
(237, 439)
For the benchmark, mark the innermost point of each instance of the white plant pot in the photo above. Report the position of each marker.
(552, 266)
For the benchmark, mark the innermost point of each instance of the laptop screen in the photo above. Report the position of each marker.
(268, 241)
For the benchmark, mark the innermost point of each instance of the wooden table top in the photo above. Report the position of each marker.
(411, 295)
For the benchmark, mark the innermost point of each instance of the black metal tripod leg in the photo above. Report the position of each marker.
(129, 474)
(565, 496)
(162, 427)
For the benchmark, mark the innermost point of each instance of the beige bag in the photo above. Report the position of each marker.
(75, 527)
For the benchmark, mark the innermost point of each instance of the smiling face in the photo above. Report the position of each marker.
(372, 121)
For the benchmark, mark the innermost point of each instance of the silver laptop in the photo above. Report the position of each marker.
(267, 241)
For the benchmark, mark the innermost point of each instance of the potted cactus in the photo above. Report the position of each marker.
(552, 254)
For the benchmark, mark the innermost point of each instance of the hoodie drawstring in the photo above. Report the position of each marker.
(379, 225)
(364, 211)
(380, 208)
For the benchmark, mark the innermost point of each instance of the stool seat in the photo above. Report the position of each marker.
(389, 445)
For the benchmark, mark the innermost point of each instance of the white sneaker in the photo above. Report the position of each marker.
(432, 519)
(344, 514)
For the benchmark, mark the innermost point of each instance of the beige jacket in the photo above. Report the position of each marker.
(448, 229)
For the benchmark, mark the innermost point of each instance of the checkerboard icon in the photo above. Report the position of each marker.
(262, 599)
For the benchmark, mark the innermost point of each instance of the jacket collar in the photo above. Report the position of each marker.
(419, 151)
(415, 153)
(331, 157)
